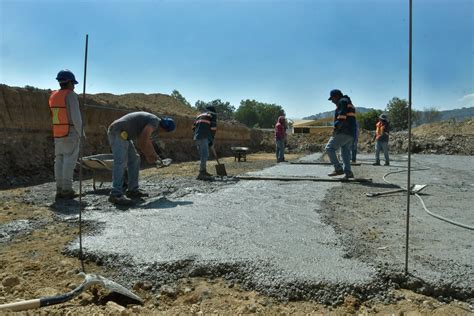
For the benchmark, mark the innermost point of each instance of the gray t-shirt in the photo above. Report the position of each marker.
(134, 123)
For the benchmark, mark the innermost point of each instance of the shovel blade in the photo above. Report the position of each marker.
(418, 187)
(220, 170)
(93, 279)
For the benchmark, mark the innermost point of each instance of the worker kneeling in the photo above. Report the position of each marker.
(139, 128)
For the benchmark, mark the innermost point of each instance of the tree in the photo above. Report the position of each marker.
(247, 113)
(225, 110)
(176, 95)
(257, 114)
(368, 119)
(398, 114)
(431, 115)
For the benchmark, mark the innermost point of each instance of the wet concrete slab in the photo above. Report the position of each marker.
(273, 222)
(284, 238)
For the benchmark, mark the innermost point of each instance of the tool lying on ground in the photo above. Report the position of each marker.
(220, 167)
(304, 179)
(90, 280)
(416, 188)
(160, 163)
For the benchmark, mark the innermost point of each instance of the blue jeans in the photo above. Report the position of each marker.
(280, 150)
(381, 146)
(354, 150)
(344, 142)
(125, 158)
(203, 149)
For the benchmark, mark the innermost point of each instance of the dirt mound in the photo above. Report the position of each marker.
(27, 148)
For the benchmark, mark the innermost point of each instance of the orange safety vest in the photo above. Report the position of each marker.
(379, 129)
(57, 105)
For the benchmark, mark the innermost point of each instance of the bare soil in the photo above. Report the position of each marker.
(32, 265)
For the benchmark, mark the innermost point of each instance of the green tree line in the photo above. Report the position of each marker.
(250, 112)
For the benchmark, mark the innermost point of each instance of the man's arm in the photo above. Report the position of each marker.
(72, 103)
(145, 144)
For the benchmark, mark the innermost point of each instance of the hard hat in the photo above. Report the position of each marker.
(65, 76)
(383, 117)
(335, 93)
(168, 124)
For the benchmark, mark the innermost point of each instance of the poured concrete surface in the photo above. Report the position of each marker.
(284, 238)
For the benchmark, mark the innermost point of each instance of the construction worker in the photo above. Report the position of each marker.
(343, 134)
(67, 129)
(140, 129)
(280, 139)
(382, 130)
(205, 127)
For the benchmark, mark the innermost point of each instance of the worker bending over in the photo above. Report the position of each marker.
(140, 129)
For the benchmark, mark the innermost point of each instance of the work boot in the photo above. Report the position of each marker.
(204, 176)
(376, 164)
(349, 175)
(336, 173)
(137, 194)
(68, 194)
(120, 200)
(386, 164)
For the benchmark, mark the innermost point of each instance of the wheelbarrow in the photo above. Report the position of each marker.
(101, 166)
(89, 280)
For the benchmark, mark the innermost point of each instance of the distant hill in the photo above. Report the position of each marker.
(457, 114)
(331, 113)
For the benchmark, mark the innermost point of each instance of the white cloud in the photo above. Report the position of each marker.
(467, 100)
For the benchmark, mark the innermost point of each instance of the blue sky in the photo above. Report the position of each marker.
(288, 52)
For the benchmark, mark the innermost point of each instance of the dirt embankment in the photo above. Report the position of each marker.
(27, 147)
(449, 138)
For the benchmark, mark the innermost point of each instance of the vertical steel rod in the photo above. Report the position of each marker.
(81, 256)
(409, 139)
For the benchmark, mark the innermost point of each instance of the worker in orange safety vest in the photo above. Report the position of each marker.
(67, 128)
(382, 130)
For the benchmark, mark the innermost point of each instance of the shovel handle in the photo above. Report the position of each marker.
(215, 154)
(21, 306)
(372, 194)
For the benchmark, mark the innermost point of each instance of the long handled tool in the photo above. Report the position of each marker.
(413, 189)
(220, 167)
(90, 280)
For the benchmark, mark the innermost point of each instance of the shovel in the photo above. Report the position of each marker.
(413, 190)
(160, 163)
(90, 280)
(220, 167)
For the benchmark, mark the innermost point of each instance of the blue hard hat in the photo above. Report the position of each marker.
(65, 76)
(168, 124)
(335, 93)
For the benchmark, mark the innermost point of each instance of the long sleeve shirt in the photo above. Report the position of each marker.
(74, 113)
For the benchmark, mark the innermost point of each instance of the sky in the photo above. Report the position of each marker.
(285, 52)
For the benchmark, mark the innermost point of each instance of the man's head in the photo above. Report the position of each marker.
(211, 108)
(66, 79)
(383, 117)
(168, 124)
(335, 95)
